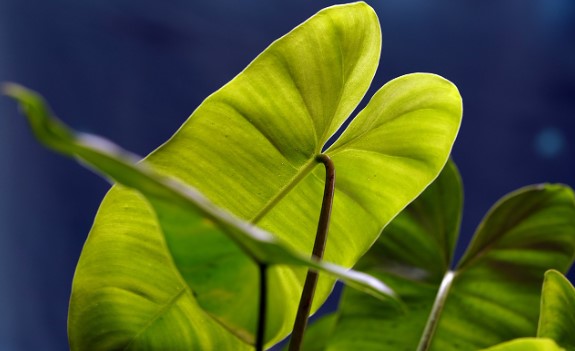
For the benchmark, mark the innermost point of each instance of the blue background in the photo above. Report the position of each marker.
(134, 70)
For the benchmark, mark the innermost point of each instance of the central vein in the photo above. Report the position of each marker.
(301, 173)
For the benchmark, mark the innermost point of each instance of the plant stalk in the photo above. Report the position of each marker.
(436, 310)
(308, 292)
(261, 328)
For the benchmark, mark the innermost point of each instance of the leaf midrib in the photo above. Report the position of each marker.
(169, 304)
(300, 174)
(334, 148)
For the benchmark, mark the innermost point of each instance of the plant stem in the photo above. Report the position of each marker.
(261, 331)
(318, 250)
(436, 310)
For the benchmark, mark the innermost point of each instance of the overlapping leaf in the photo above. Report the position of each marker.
(492, 295)
(557, 319)
(251, 149)
(166, 196)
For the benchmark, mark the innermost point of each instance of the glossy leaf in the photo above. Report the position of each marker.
(168, 200)
(251, 149)
(557, 319)
(492, 295)
(527, 344)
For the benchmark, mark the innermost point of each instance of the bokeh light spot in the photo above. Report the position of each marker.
(549, 142)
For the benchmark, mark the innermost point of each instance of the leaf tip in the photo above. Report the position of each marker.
(12, 90)
(24, 96)
(552, 272)
(555, 276)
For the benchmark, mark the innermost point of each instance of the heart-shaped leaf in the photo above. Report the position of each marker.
(168, 199)
(557, 319)
(527, 344)
(251, 148)
(489, 298)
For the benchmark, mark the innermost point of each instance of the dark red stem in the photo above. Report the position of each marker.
(308, 292)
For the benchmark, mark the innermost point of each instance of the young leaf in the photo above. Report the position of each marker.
(489, 298)
(557, 319)
(527, 344)
(152, 278)
(251, 149)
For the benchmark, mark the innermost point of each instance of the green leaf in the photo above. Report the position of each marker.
(527, 344)
(557, 319)
(376, 178)
(152, 277)
(492, 295)
(251, 149)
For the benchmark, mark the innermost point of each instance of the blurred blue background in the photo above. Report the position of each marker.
(134, 70)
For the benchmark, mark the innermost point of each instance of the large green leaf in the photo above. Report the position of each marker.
(392, 151)
(137, 286)
(492, 295)
(557, 319)
(251, 149)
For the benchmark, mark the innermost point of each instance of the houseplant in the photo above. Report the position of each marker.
(253, 149)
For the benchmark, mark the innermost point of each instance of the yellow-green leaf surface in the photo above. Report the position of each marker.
(527, 344)
(146, 273)
(557, 319)
(251, 149)
(493, 293)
